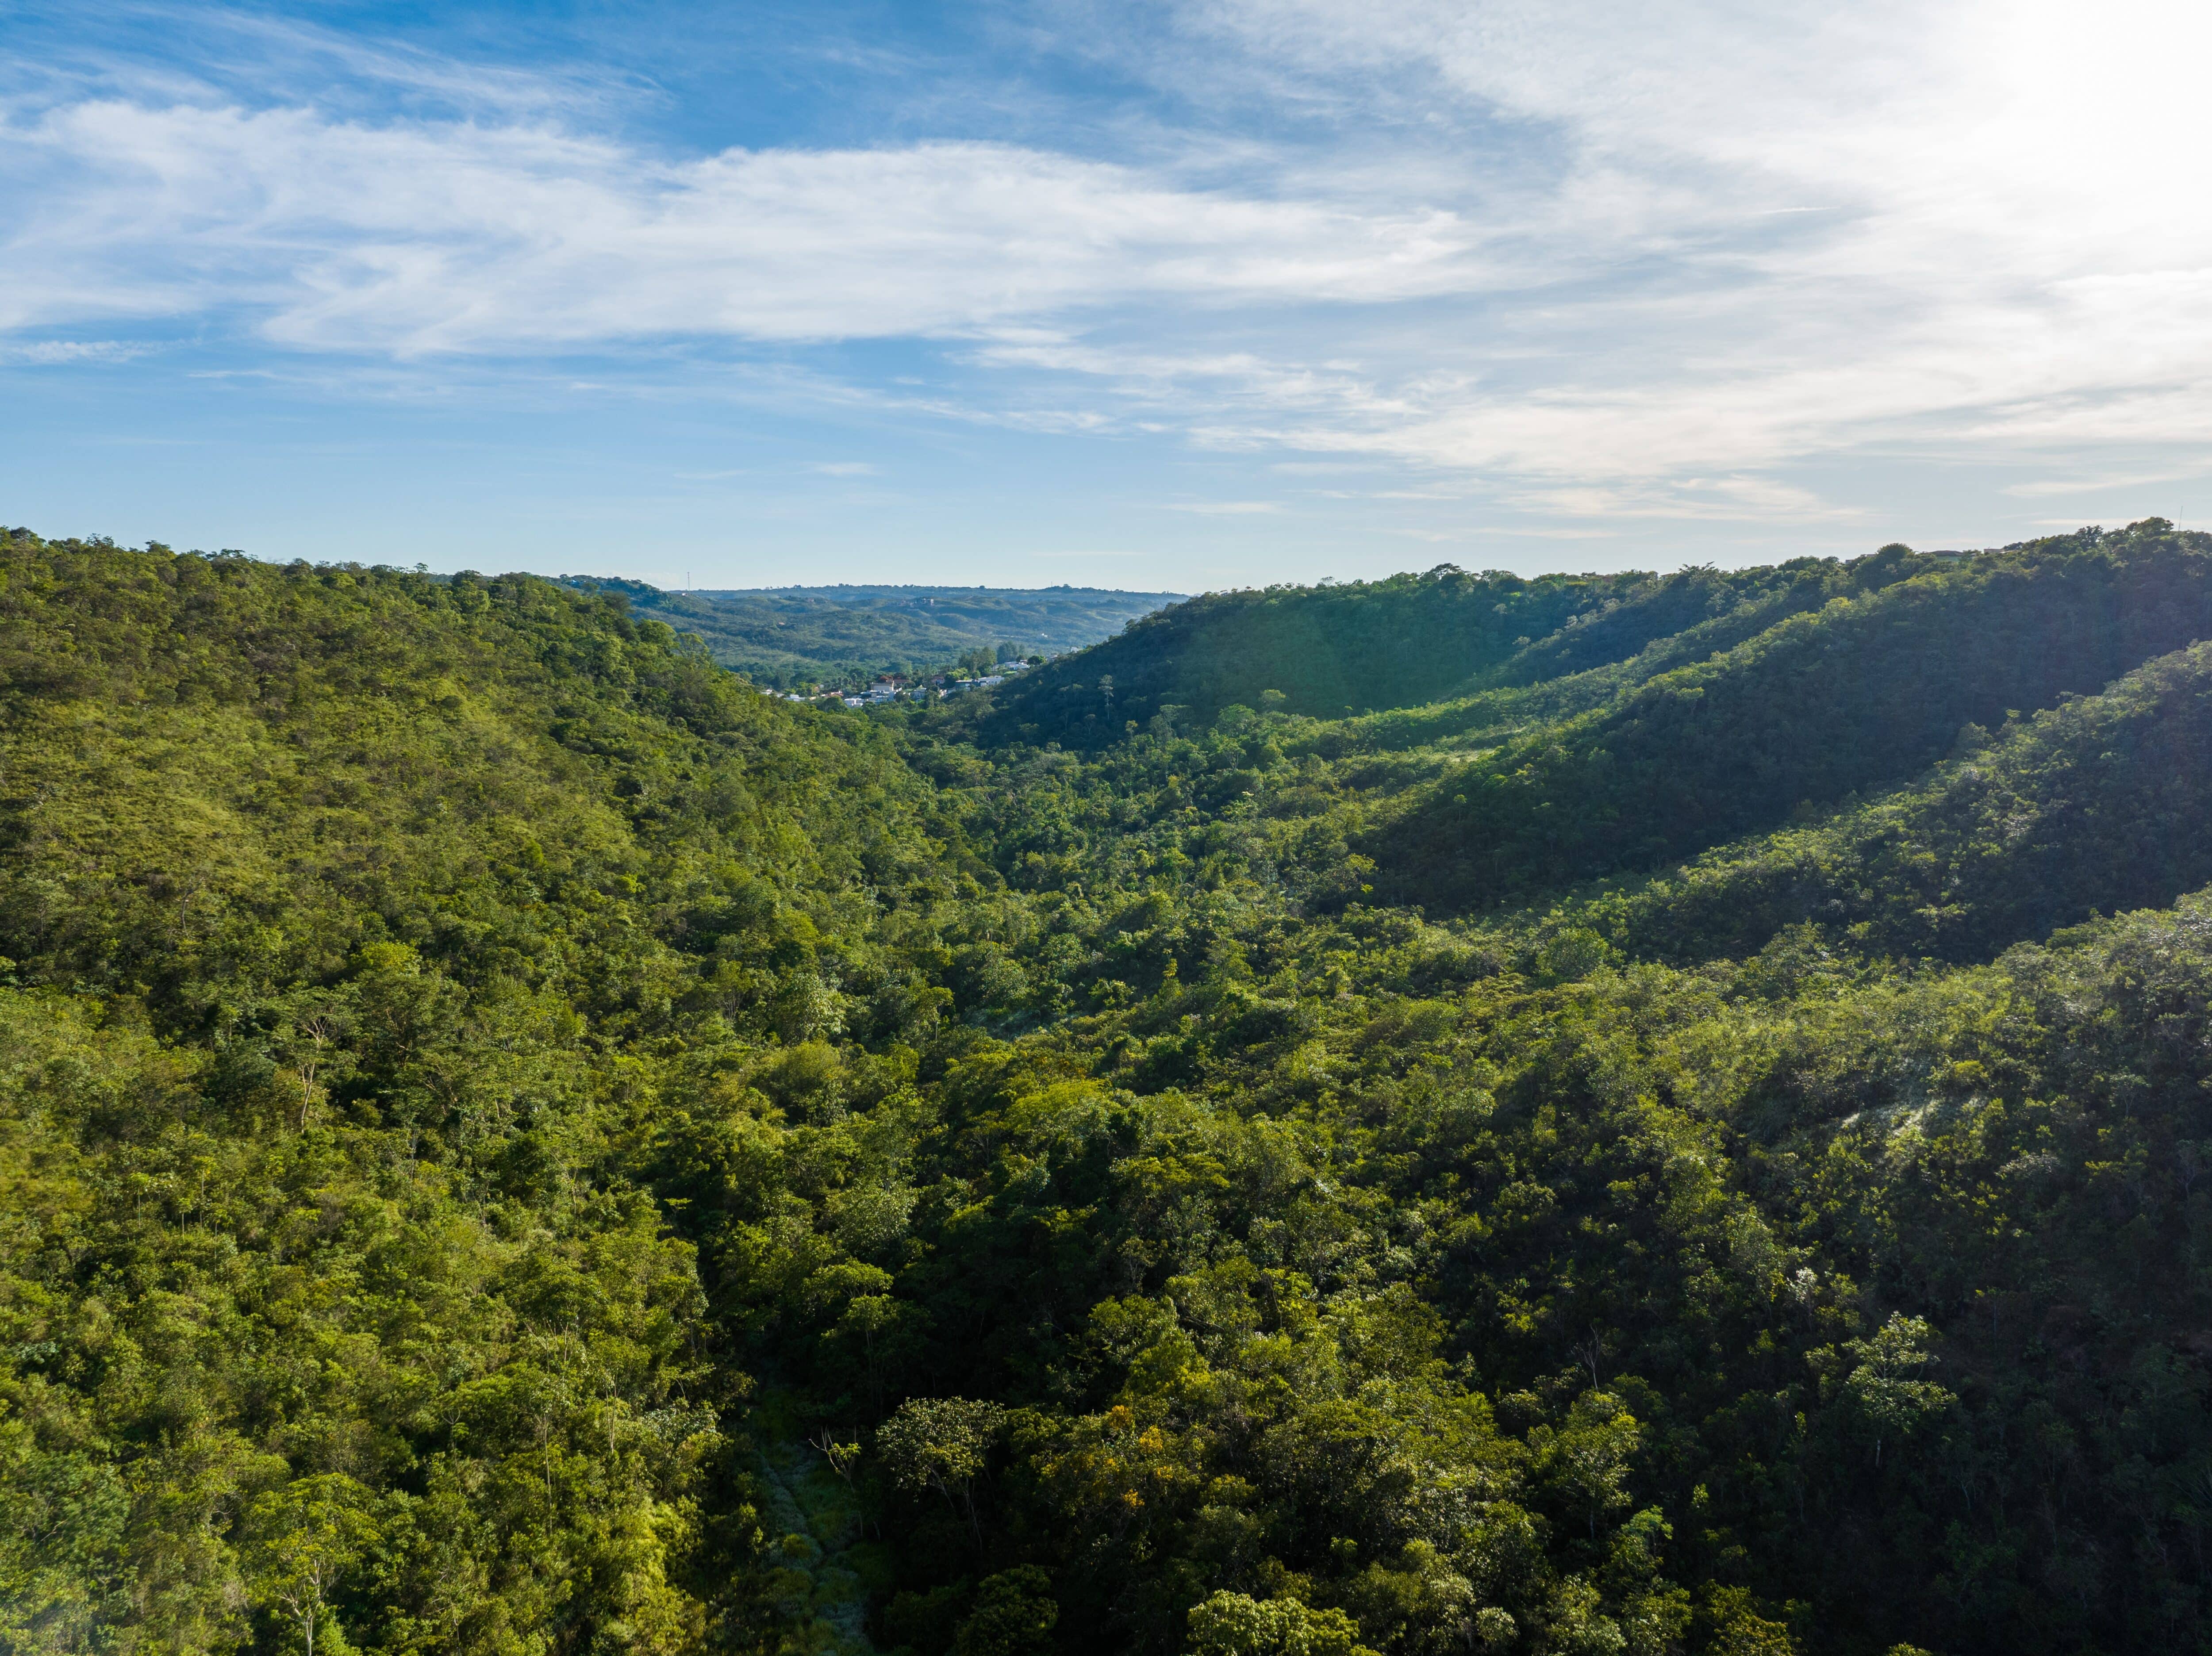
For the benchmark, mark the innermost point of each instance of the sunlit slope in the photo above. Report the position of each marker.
(215, 764)
(1329, 651)
(455, 1043)
(364, 929)
(1863, 694)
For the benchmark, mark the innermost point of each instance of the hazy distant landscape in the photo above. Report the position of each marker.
(789, 635)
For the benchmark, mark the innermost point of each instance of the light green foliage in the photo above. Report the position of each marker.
(1738, 1629)
(62, 1583)
(1883, 1386)
(299, 1540)
(457, 1039)
(938, 1443)
(941, 1444)
(346, 908)
(1235, 1624)
(1588, 1456)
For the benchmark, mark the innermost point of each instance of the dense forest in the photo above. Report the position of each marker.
(786, 636)
(1625, 1115)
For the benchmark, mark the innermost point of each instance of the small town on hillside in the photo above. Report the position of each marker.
(979, 674)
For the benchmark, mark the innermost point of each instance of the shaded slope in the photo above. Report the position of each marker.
(2098, 805)
(2012, 1152)
(1543, 682)
(1864, 692)
(1411, 641)
(1698, 607)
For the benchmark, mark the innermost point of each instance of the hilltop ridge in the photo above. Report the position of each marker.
(1342, 649)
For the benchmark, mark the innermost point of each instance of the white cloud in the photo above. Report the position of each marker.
(1976, 224)
(2058, 488)
(415, 238)
(57, 352)
(1658, 256)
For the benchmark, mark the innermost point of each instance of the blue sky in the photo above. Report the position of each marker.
(1174, 295)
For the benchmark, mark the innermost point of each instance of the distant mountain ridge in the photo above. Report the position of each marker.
(792, 634)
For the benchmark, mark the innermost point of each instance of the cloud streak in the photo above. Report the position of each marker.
(2005, 248)
(1655, 260)
(421, 238)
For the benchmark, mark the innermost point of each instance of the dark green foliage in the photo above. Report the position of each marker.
(2097, 804)
(792, 635)
(513, 1142)
(1865, 692)
(1545, 682)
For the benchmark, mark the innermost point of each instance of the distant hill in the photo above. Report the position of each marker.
(1410, 640)
(788, 635)
(1863, 694)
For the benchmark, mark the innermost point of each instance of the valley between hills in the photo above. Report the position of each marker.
(1618, 1114)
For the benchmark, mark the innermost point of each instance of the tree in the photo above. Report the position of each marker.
(843, 1458)
(1237, 1624)
(940, 1444)
(874, 1320)
(1014, 1616)
(300, 1540)
(1738, 1629)
(1587, 1459)
(1883, 1391)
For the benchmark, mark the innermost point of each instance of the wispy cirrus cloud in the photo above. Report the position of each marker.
(1583, 259)
(422, 236)
(1792, 232)
(53, 352)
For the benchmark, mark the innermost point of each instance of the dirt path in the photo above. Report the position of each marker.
(823, 1583)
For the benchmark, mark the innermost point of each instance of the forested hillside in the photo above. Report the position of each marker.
(1413, 640)
(1613, 1115)
(787, 635)
(1864, 692)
